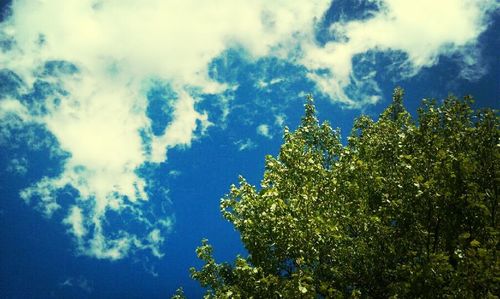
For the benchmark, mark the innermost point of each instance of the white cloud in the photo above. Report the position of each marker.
(174, 173)
(245, 144)
(422, 30)
(179, 132)
(263, 130)
(80, 282)
(75, 221)
(117, 46)
(12, 107)
(18, 166)
(263, 84)
(46, 192)
(279, 120)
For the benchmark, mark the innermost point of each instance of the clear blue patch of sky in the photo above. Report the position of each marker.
(10, 83)
(4, 9)
(161, 98)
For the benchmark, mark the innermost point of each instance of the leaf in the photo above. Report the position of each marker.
(475, 243)
(302, 289)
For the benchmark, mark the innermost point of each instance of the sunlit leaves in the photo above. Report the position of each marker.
(405, 209)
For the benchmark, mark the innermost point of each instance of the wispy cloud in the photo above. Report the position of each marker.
(263, 130)
(245, 144)
(18, 166)
(78, 282)
(416, 32)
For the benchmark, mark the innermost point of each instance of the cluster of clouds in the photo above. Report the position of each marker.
(419, 31)
(108, 53)
(78, 282)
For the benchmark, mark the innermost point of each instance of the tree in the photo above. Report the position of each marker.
(405, 209)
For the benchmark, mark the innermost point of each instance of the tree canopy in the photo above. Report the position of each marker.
(406, 208)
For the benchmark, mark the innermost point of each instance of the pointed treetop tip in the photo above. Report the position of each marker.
(309, 105)
(309, 98)
(397, 95)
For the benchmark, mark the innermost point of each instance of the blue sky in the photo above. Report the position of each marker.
(123, 123)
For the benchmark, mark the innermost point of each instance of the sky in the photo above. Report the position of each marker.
(124, 122)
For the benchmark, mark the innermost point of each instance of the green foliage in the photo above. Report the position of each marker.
(179, 294)
(405, 209)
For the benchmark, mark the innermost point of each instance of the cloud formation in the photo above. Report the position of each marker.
(90, 65)
(417, 33)
(78, 282)
(263, 130)
(84, 69)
